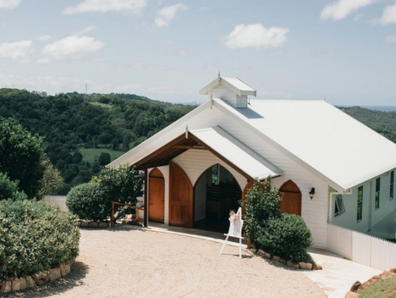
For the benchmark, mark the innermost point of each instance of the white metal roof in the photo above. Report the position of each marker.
(237, 153)
(320, 137)
(234, 84)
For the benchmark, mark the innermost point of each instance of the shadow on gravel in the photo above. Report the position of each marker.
(74, 279)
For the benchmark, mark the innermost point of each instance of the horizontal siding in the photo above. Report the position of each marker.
(380, 218)
(315, 211)
(196, 162)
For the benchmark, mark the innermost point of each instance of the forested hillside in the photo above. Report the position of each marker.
(382, 122)
(72, 123)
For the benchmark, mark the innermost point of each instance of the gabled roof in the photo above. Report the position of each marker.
(220, 143)
(321, 138)
(233, 84)
(328, 143)
(235, 152)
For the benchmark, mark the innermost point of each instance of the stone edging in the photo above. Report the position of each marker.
(38, 279)
(93, 224)
(301, 265)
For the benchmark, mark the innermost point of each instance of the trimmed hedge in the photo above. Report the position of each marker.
(88, 201)
(286, 236)
(34, 237)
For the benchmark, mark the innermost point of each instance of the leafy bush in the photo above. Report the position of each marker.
(35, 236)
(261, 204)
(123, 184)
(280, 234)
(9, 189)
(286, 236)
(88, 202)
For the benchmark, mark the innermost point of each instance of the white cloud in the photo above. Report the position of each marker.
(342, 8)
(15, 50)
(391, 39)
(256, 36)
(9, 4)
(85, 30)
(72, 47)
(388, 16)
(43, 37)
(166, 14)
(134, 7)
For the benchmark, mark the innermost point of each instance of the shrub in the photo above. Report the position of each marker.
(35, 236)
(280, 234)
(286, 236)
(261, 204)
(88, 202)
(9, 189)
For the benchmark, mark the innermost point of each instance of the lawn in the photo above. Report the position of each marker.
(385, 288)
(92, 154)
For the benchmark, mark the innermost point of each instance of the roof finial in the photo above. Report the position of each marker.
(218, 74)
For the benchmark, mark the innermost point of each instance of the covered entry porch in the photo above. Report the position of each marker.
(197, 178)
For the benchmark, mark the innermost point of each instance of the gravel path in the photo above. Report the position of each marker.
(124, 262)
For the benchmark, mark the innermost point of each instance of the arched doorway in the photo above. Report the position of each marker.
(291, 198)
(156, 196)
(180, 198)
(216, 192)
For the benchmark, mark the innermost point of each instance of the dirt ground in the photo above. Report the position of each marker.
(131, 261)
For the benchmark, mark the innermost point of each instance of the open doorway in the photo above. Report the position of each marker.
(215, 194)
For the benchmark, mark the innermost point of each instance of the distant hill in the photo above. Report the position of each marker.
(102, 122)
(382, 122)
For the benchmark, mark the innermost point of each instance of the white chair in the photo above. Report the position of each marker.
(235, 230)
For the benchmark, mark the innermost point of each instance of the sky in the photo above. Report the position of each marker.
(343, 50)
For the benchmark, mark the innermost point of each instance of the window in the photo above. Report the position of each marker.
(359, 204)
(216, 174)
(339, 205)
(392, 180)
(377, 193)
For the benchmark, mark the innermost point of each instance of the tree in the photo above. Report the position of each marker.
(52, 180)
(21, 156)
(9, 189)
(123, 184)
(104, 158)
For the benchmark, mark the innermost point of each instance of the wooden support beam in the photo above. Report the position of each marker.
(145, 222)
(190, 147)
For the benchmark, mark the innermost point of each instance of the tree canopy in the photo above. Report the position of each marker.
(71, 122)
(21, 155)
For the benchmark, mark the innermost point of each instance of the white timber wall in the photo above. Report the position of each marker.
(314, 212)
(195, 162)
(380, 222)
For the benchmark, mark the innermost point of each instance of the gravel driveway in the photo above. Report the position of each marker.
(124, 262)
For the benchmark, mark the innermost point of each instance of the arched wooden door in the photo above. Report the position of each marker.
(180, 198)
(156, 196)
(291, 198)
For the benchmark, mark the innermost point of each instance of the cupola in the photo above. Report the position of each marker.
(231, 90)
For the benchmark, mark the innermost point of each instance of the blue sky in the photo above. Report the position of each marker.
(344, 51)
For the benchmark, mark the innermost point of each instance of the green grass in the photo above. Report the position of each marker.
(385, 288)
(92, 154)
